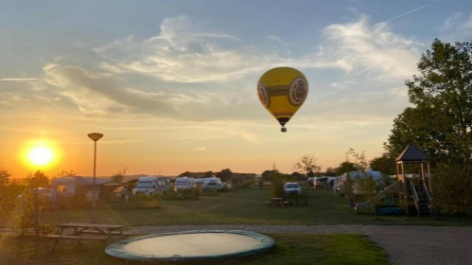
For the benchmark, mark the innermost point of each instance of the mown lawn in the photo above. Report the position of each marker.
(290, 249)
(245, 207)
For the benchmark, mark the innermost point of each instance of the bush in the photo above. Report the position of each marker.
(146, 201)
(23, 216)
(452, 188)
(248, 183)
(369, 188)
(277, 185)
(182, 194)
(9, 193)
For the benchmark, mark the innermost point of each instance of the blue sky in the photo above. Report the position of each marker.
(180, 77)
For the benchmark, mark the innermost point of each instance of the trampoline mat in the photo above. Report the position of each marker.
(191, 245)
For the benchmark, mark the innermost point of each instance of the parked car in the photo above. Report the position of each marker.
(292, 188)
(217, 186)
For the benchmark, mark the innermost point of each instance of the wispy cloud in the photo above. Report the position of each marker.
(458, 27)
(18, 79)
(277, 40)
(370, 50)
(178, 75)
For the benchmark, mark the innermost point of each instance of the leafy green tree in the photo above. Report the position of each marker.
(120, 175)
(307, 165)
(384, 164)
(8, 194)
(357, 159)
(185, 174)
(267, 174)
(369, 188)
(440, 122)
(65, 173)
(4, 176)
(277, 184)
(38, 179)
(225, 174)
(330, 172)
(345, 167)
(297, 176)
(208, 174)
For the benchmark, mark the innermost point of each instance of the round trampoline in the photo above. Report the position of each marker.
(191, 245)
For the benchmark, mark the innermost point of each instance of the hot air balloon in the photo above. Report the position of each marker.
(282, 91)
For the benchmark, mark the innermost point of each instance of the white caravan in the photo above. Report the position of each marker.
(147, 185)
(184, 183)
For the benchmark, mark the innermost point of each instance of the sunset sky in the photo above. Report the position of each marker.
(172, 84)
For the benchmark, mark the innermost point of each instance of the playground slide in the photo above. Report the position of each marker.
(394, 188)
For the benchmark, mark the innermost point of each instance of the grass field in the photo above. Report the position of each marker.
(289, 249)
(245, 207)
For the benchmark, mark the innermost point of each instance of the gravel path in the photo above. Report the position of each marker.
(406, 245)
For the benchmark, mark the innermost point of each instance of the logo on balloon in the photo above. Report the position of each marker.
(262, 92)
(298, 91)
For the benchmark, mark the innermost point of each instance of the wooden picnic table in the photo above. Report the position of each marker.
(277, 202)
(101, 229)
(102, 232)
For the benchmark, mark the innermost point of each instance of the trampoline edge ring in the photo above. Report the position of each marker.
(118, 249)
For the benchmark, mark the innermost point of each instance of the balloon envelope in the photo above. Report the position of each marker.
(282, 92)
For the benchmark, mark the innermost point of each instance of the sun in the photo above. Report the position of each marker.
(40, 155)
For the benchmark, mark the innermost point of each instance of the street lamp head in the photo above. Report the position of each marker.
(95, 136)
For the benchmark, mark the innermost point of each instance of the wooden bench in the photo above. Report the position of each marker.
(114, 233)
(102, 238)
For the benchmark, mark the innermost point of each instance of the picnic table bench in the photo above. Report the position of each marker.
(276, 202)
(102, 232)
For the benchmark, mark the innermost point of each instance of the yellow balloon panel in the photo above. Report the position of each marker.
(282, 91)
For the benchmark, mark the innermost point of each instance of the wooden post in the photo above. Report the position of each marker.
(422, 172)
(405, 187)
(430, 180)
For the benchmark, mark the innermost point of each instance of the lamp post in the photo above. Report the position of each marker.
(95, 137)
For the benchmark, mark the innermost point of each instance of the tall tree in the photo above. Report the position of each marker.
(38, 179)
(357, 159)
(440, 122)
(208, 174)
(267, 174)
(345, 167)
(185, 174)
(225, 174)
(307, 164)
(65, 173)
(384, 164)
(120, 175)
(330, 172)
(4, 176)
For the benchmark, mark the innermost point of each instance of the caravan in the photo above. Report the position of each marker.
(184, 183)
(214, 183)
(147, 185)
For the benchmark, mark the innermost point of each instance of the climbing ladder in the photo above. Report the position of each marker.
(422, 198)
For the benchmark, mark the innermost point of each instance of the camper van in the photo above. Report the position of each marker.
(147, 185)
(184, 183)
(212, 180)
(214, 183)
